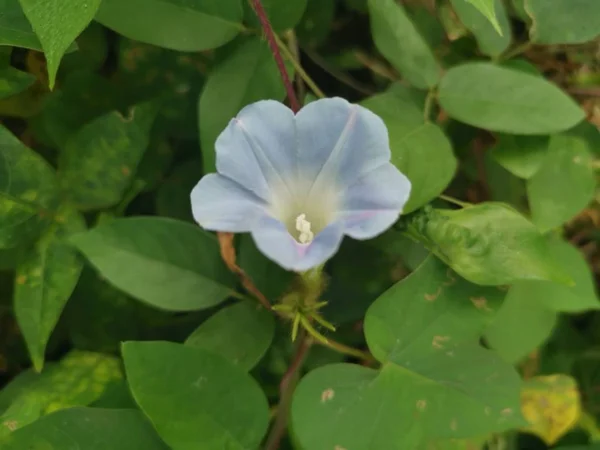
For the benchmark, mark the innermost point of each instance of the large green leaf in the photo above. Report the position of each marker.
(99, 159)
(521, 155)
(15, 29)
(419, 148)
(241, 333)
(490, 244)
(247, 75)
(194, 398)
(493, 37)
(90, 429)
(185, 25)
(28, 191)
(57, 23)
(45, 279)
(564, 184)
(13, 81)
(397, 38)
(501, 99)
(282, 14)
(564, 21)
(169, 264)
(435, 380)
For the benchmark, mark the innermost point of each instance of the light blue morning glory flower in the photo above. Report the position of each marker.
(299, 183)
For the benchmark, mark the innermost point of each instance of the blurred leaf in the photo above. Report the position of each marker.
(489, 8)
(15, 29)
(564, 184)
(169, 264)
(98, 161)
(492, 244)
(521, 155)
(316, 23)
(241, 333)
(28, 192)
(283, 14)
(397, 38)
(173, 196)
(501, 99)
(520, 11)
(92, 50)
(87, 428)
(19, 414)
(456, 444)
(523, 324)
(503, 185)
(45, 279)
(13, 81)
(419, 148)
(190, 25)
(247, 75)
(493, 36)
(77, 380)
(195, 399)
(57, 23)
(154, 164)
(564, 21)
(435, 381)
(551, 405)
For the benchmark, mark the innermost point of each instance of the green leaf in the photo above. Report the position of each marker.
(13, 81)
(283, 14)
(520, 155)
(316, 22)
(397, 38)
(87, 428)
(15, 29)
(247, 75)
(435, 381)
(77, 380)
(523, 324)
(169, 264)
(420, 149)
(45, 279)
(28, 191)
(491, 244)
(579, 297)
(564, 184)
(57, 23)
(172, 198)
(184, 25)
(98, 161)
(564, 21)
(493, 36)
(502, 99)
(241, 333)
(196, 399)
(489, 9)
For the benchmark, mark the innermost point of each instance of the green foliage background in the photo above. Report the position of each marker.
(472, 324)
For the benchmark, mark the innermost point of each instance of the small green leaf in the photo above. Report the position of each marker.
(15, 29)
(241, 333)
(492, 244)
(190, 25)
(420, 149)
(488, 9)
(247, 75)
(493, 36)
(564, 184)
(501, 99)
(28, 192)
(316, 23)
(283, 14)
(45, 279)
(564, 21)
(87, 428)
(13, 81)
(98, 161)
(520, 155)
(196, 399)
(397, 38)
(57, 23)
(169, 264)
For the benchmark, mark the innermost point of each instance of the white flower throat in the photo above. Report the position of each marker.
(305, 235)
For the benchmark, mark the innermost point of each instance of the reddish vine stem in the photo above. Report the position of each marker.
(268, 30)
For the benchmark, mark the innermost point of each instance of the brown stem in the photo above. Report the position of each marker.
(286, 391)
(268, 30)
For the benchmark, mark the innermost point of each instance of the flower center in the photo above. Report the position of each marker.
(305, 236)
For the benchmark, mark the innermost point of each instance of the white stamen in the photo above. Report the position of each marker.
(303, 226)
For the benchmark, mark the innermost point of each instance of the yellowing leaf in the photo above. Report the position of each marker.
(552, 406)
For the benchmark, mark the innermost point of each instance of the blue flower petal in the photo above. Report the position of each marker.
(257, 149)
(221, 204)
(273, 240)
(374, 202)
(340, 141)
